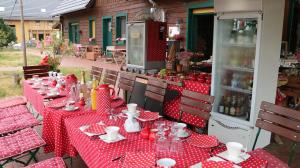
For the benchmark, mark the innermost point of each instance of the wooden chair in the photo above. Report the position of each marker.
(281, 121)
(196, 104)
(110, 77)
(41, 70)
(126, 83)
(155, 90)
(97, 72)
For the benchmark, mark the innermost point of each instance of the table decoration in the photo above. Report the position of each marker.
(145, 132)
(139, 159)
(203, 141)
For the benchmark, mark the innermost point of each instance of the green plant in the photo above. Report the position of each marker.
(54, 62)
(7, 34)
(56, 43)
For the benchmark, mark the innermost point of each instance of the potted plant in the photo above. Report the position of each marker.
(121, 41)
(53, 62)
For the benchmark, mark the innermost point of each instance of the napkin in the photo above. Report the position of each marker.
(139, 160)
(148, 116)
(219, 164)
(56, 104)
(96, 128)
(203, 141)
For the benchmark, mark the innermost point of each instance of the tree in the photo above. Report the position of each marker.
(7, 34)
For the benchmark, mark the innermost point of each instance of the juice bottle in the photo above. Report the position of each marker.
(93, 93)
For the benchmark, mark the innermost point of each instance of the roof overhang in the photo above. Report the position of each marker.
(69, 6)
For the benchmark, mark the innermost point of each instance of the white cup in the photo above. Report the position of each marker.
(181, 128)
(132, 107)
(234, 149)
(112, 132)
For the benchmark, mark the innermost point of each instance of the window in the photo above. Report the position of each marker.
(92, 28)
(121, 19)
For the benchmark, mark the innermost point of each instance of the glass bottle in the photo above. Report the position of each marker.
(227, 105)
(238, 106)
(233, 105)
(221, 105)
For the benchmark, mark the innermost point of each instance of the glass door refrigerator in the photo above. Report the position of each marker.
(237, 77)
(146, 45)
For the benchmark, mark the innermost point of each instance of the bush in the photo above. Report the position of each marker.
(7, 34)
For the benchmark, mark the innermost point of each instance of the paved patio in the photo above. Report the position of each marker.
(70, 61)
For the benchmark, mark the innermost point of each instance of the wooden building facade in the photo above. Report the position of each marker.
(104, 19)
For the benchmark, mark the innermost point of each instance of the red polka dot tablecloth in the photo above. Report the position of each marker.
(171, 107)
(97, 153)
(33, 97)
(54, 130)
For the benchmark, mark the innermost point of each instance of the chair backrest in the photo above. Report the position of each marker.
(126, 81)
(40, 70)
(156, 90)
(97, 72)
(110, 77)
(279, 120)
(196, 104)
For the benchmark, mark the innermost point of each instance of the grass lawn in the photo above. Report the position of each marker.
(14, 58)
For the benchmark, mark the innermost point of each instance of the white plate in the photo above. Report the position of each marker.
(166, 162)
(105, 139)
(45, 84)
(214, 158)
(241, 158)
(184, 135)
(52, 94)
(67, 109)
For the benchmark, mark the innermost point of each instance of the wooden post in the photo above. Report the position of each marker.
(23, 34)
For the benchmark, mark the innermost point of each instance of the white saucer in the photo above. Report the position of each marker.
(243, 157)
(105, 138)
(41, 92)
(184, 135)
(166, 162)
(53, 94)
(36, 86)
(214, 158)
(67, 109)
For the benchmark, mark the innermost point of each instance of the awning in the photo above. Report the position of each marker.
(68, 6)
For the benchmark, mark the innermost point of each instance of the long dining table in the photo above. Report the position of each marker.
(97, 153)
(62, 134)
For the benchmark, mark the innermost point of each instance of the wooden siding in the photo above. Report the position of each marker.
(175, 9)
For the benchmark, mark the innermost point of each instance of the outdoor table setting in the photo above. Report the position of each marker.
(38, 90)
(103, 141)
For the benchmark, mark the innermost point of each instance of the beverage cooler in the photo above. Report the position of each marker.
(245, 68)
(146, 45)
